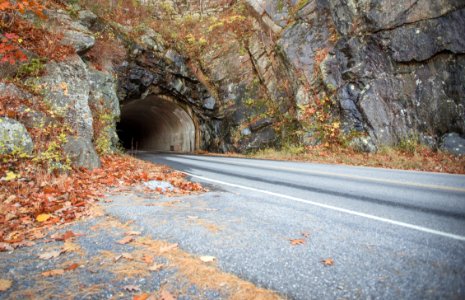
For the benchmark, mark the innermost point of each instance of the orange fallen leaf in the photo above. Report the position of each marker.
(141, 297)
(5, 284)
(126, 240)
(71, 267)
(295, 242)
(328, 262)
(148, 259)
(56, 272)
(64, 236)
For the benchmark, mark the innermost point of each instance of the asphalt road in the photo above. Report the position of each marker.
(391, 234)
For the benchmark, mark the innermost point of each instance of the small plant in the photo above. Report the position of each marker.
(409, 144)
(34, 68)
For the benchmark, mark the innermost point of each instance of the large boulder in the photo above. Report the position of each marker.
(66, 89)
(453, 143)
(82, 153)
(14, 138)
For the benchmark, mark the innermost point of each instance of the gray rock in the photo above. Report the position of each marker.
(363, 144)
(453, 143)
(66, 90)
(246, 131)
(422, 40)
(102, 94)
(14, 138)
(209, 103)
(82, 153)
(260, 124)
(104, 103)
(75, 34)
(87, 18)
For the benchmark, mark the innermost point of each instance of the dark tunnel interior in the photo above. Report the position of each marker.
(156, 124)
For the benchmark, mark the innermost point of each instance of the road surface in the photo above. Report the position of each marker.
(391, 234)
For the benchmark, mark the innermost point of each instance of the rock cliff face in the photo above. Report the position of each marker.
(382, 72)
(392, 70)
(395, 68)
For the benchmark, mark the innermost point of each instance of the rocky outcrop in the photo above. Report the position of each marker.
(394, 67)
(72, 96)
(14, 138)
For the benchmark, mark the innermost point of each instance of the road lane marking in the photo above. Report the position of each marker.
(395, 182)
(335, 208)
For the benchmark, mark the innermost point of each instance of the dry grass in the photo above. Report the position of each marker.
(420, 160)
(204, 275)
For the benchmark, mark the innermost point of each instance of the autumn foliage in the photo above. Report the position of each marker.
(35, 199)
(10, 50)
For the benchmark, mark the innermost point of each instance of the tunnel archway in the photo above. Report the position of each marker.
(156, 123)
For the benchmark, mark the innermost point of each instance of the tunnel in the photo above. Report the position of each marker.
(156, 124)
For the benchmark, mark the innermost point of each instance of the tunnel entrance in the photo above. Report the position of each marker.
(156, 124)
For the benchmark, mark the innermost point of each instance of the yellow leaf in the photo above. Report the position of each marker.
(43, 217)
(5, 284)
(11, 176)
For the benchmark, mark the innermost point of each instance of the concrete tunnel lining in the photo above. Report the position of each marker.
(156, 124)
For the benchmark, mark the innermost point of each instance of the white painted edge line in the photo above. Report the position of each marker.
(350, 176)
(335, 208)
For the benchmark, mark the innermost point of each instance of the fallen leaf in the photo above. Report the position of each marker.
(165, 295)
(10, 176)
(43, 217)
(71, 247)
(5, 247)
(168, 248)
(131, 288)
(71, 267)
(296, 242)
(63, 237)
(148, 259)
(126, 240)
(128, 256)
(328, 262)
(141, 297)
(135, 233)
(207, 258)
(5, 284)
(56, 272)
(49, 255)
(156, 267)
